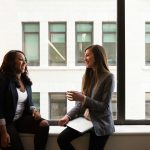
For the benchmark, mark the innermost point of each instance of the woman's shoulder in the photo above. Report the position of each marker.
(3, 78)
(108, 75)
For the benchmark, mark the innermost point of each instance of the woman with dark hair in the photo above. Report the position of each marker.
(93, 103)
(17, 112)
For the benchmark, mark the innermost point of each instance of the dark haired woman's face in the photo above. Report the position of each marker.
(89, 58)
(20, 63)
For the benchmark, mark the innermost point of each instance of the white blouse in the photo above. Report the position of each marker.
(22, 97)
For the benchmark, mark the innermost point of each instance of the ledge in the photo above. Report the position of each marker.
(119, 129)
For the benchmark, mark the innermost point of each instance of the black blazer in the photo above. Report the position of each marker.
(9, 99)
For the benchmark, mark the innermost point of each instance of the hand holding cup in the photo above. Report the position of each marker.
(69, 95)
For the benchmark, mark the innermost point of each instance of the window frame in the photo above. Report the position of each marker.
(121, 69)
(49, 37)
(76, 33)
(110, 32)
(23, 40)
(52, 101)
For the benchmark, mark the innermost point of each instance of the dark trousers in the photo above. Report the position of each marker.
(27, 124)
(66, 136)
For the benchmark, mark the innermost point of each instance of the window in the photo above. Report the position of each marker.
(58, 105)
(57, 44)
(114, 105)
(109, 37)
(147, 105)
(84, 38)
(36, 99)
(147, 43)
(31, 44)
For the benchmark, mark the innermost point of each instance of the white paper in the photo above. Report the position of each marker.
(80, 124)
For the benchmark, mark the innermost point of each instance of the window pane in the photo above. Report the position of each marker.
(31, 43)
(147, 44)
(114, 105)
(57, 27)
(57, 44)
(109, 27)
(57, 105)
(58, 38)
(137, 56)
(108, 38)
(36, 99)
(147, 105)
(31, 46)
(31, 27)
(84, 36)
(84, 27)
(110, 41)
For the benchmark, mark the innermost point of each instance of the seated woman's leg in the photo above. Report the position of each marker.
(97, 142)
(65, 137)
(15, 141)
(27, 124)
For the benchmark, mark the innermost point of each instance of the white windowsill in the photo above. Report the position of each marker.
(119, 129)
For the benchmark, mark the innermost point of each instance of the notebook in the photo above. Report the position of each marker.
(80, 124)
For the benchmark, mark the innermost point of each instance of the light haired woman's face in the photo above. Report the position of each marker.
(89, 59)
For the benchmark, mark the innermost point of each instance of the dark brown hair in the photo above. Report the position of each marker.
(8, 68)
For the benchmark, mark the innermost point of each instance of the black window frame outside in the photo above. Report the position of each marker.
(121, 69)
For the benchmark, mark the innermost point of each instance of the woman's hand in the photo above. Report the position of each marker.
(75, 96)
(36, 114)
(63, 121)
(44, 123)
(5, 140)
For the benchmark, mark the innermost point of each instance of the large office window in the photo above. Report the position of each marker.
(57, 44)
(36, 99)
(147, 43)
(109, 31)
(84, 38)
(31, 43)
(57, 105)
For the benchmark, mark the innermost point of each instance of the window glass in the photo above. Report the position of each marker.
(36, 99)
(31, 43)
(137, 55)
(114, 105)
(84, 38)
(58, 105)
(109, 30)
(147, 43)
(147, 105)
(57, 44)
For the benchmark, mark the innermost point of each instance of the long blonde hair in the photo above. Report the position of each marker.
(101, 66)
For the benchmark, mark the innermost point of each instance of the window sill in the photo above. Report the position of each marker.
(119, 129)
